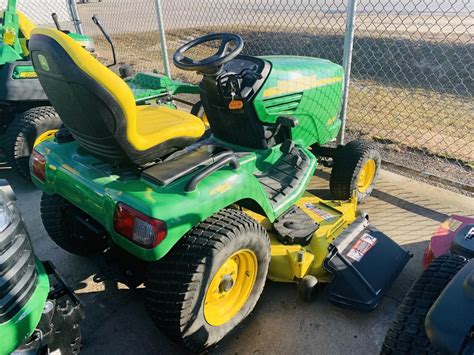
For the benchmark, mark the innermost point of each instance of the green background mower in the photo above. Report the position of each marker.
(25, 111)
(205, 221)
(39, 313)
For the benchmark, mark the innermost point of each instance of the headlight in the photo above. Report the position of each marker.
(6, 216)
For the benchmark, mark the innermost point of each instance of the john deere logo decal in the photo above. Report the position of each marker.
(43, 62)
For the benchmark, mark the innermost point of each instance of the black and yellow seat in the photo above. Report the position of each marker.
(99, 108)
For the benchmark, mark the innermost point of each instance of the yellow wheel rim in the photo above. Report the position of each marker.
(230, 287)
(43, 136)
(366, 176)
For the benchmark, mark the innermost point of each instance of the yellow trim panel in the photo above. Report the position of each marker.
(299, 84)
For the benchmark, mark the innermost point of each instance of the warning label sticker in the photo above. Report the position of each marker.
(451, 224)
(361, 247)
(319, 212)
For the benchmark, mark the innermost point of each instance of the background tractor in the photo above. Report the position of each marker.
(25, 111)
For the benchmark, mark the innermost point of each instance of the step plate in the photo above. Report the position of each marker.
(284, 176)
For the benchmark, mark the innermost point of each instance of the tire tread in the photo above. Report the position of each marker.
(347, 164)
(177, 276)
(407, 334)
(22, 130)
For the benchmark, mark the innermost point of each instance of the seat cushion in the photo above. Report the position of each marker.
(99, 108)
(160, 124)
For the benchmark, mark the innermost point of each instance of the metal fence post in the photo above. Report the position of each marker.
(161, 29)
(75, 17)
(346, 63)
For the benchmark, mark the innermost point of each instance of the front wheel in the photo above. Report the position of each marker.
(356, 169)
(210, 281)
(22, 133)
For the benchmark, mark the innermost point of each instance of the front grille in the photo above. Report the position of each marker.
(17, 269)
(282, 105)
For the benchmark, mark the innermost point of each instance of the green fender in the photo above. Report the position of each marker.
(16, 330)
(96, 188)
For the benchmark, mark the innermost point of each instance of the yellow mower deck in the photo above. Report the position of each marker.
(290, 263)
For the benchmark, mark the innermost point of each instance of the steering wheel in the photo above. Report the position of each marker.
(212, 64)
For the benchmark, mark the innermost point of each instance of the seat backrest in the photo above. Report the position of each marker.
(94, 103)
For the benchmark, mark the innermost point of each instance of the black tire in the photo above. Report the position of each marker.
(307, 288)
(176, 285)
(125, 71)
(407, 334)
(22, 133)
(58, 216)
(347, 167)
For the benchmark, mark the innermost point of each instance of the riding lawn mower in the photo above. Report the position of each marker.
(205, 220)
(39, 313)
(436, 315)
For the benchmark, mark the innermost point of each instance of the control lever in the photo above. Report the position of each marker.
(108, 38)
(250, 72)
(57, 24)
(284, 121)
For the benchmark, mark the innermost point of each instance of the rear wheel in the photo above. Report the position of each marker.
(356, 169)
(407, 334)
(210, 281)
(65, 225)
(22, 133)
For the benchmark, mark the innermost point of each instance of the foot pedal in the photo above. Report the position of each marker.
(295, 227)
(365, 263)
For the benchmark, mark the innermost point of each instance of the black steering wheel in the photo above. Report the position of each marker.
(212, 64)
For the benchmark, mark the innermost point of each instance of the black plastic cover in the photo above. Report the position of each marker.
(295, 227)
(365, 263)
(19, 90)
(463, 242)
(171, 170)
(450, 321)
(238, 126)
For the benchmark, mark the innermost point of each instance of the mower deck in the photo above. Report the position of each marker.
(357, 253)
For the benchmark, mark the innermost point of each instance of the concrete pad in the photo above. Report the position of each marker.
(407, 210)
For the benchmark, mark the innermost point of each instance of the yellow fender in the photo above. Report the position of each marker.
(44, 136)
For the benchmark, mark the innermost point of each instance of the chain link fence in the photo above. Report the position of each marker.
(39, 11)
(412, 84)
(132, 25)
(412, 67)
